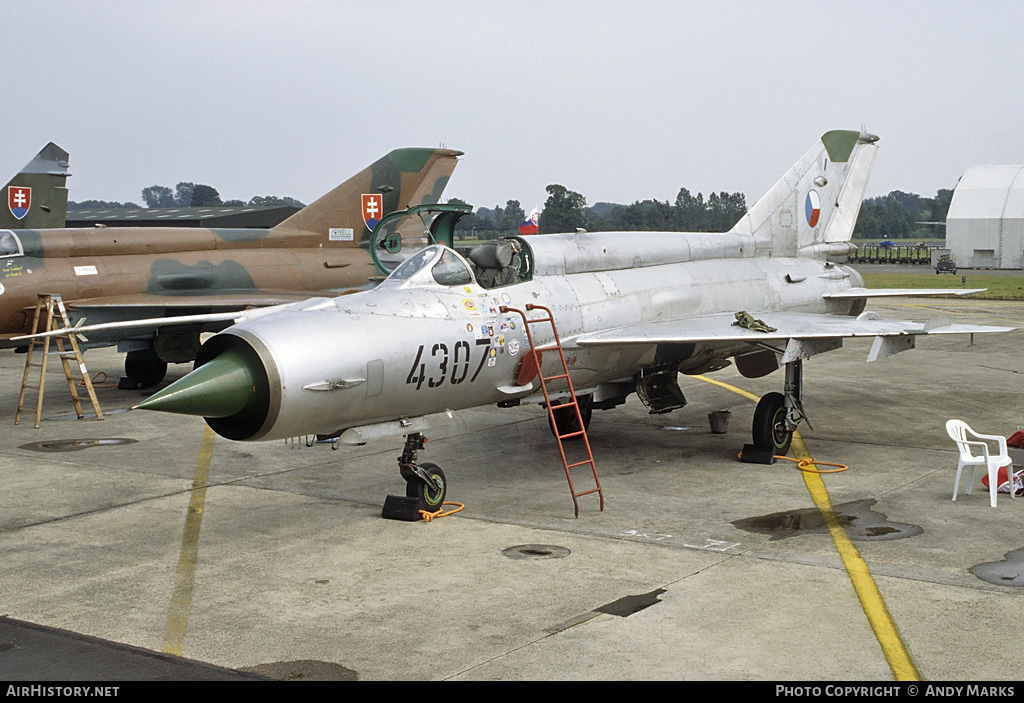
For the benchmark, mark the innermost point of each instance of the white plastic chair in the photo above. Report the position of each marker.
(958, 431)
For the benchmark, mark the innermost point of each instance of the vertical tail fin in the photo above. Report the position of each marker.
(403, 178)
(37, 197)
(811, 211)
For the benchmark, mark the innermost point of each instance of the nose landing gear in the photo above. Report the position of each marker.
(425, 484)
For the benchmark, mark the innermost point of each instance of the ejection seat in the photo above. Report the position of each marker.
(495, 263)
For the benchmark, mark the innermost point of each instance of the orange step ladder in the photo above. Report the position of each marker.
(70, 358)
(530, 367)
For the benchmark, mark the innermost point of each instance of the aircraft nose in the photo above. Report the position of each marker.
(222, 387)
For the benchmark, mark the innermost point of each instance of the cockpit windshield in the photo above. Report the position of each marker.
(414, 263)
(10, 245)
(450, 270)
(446, 267)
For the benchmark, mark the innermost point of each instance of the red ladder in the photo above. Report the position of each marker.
(530, 367)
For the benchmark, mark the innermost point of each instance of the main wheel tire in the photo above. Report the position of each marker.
(565, 420)
(769, 423)
(415, 487)
(145, 367)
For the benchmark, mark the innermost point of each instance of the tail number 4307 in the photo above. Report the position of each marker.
(451, 366)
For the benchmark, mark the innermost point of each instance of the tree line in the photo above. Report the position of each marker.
(566, 211)
(187, 194)
(898, 215)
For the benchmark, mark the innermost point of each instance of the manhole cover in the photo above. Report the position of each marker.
(73, 445)
(536, 551)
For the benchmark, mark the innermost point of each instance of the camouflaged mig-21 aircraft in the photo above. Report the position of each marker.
(127, 273)
(37, 196)
(446, 332)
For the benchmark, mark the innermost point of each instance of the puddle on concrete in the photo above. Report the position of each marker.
(536, 551)
(861, 523)
(303, 670)
(1009, 572)
(73, 445)
(624, 607)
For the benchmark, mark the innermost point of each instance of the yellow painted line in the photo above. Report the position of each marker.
(734, 389)
(184, 579)
(856, 568)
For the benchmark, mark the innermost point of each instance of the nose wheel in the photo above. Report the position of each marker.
(425, 484)
(430, 489)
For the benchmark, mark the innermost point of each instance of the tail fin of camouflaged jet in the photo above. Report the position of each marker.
(36, 197)
(403, 178)
(811, 211)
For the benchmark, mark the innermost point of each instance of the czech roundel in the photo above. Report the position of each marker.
(812, 207)
(373, 207)
(19, 198)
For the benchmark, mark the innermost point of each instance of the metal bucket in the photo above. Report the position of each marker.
(719, 421)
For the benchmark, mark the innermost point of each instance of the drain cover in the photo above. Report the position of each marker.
(73, 445)
(536, 551)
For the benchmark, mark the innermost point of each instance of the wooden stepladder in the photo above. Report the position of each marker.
(50, 308)
(531, 365)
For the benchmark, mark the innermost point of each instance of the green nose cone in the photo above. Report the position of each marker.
(219, 388)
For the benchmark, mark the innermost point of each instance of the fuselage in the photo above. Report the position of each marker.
(416, 345)
(155, 268)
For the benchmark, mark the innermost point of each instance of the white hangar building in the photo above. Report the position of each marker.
(985, 223)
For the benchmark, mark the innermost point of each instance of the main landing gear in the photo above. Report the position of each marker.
(144, 368)
(778, 414)
(566, 421)
(425, 484)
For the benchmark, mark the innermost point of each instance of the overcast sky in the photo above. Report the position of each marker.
(619, 101)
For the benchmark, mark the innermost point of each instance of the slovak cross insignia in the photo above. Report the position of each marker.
(19, 198)
(373, 209)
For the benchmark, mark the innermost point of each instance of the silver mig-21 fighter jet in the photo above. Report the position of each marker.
(444, 332)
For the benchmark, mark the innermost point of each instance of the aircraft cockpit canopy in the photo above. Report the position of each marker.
(403, 236)
(450, 269)
(445, 268)
(10, 245)
(400, 235)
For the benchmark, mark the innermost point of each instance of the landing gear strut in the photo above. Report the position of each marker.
(425, 484)
(567, 421)
(424, 481)
(145, 367)
(777, 415)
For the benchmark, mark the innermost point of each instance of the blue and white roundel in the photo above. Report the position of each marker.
(812, 208)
